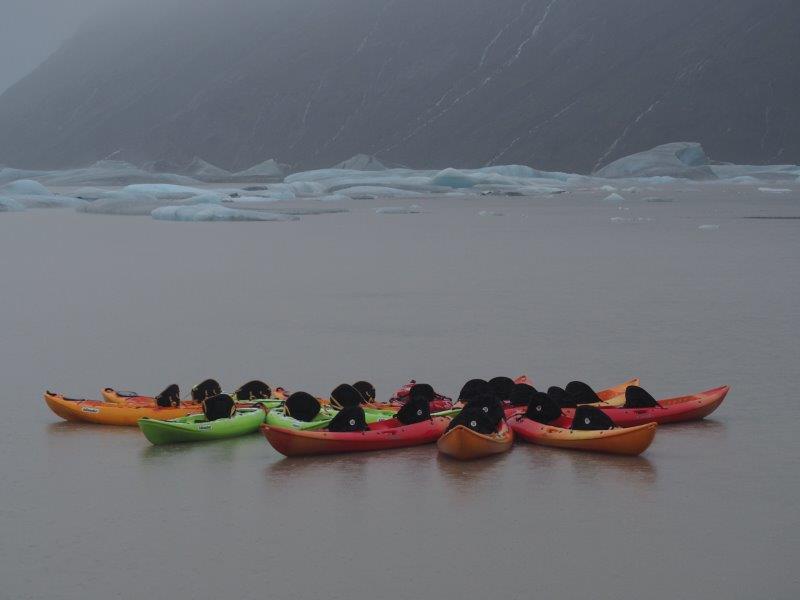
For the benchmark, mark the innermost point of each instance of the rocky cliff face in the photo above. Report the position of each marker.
(561, 84)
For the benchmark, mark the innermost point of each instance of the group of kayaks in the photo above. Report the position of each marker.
(483, 420)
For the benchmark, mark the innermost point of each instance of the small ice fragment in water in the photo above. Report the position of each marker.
(398, 210)
(709, 227)
(657, 199)
(767, 190)
(608, 188)
(490, 213)
(631, 219)
(614, 198)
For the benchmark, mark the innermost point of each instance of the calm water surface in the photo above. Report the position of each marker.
(553, 289)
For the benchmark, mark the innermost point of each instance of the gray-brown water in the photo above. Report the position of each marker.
(552, 288)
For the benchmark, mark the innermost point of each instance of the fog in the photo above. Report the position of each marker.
(31, 29)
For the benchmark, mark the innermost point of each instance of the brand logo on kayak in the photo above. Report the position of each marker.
(90, 409)
(205, 426)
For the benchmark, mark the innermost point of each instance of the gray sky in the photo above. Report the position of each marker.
(31, 29)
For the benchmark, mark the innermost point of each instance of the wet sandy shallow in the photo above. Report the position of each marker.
(552, 288)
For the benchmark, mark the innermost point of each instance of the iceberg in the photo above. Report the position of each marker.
(211, 212)
(708, 227)
(267, 169)
(490, 213)
(49, 201)
(164, 190)
(10, 205)
(371, 192)
(614, 198)
(768, 190)
(129, 203)
(683, 160)
(110, 172)
(361, 162)
(25, 187)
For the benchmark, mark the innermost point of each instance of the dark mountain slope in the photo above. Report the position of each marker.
(561, 84)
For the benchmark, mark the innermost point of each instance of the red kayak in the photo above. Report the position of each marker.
(669, 410)
(438, 404)
(382, 435)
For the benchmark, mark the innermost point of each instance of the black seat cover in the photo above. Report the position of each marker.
(220, 406)
(366, 389)
(636, 397)
(349, 419)
(543, 409)
(473, 388)
(253, 390)
(171, 396)
(502, 387)
(522, 394)
(475, 418)
(302, 406)
(581, 393)
(206, 389)
(559, 395)
(591, 418)
(417, 408)
(345, 395)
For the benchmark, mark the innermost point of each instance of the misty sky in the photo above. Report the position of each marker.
(31, 29)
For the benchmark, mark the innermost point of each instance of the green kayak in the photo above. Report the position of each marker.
(276, 417)
(196, 428)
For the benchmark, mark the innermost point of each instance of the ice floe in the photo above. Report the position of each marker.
(211, 212)
(10, 205)
(398, 210)
(614, 198)
(768, 190)
(25, 187)
(708, 227)
(685, 160)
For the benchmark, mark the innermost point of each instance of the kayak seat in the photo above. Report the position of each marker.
(636, 397)
(591, 418)
(581, 393)
(218, 407)
(346, 396)
(521, 394)
(418, 407)
(473, 417)
(171, 396)
(366, 389)
(543, 409)
(302, 406)
(349, 419)
(253, 390)
(206, 389)
(559, 395)
(502, 387)
(473, 388)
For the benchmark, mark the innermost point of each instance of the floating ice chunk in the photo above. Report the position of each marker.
(614, 198)
(267, 169)
(361, 162)
(658, 199)
(709, 227)
(631, 219)
(631, 190)
(608, 188)
(371, 192)
(25, 187)
(757, 172)
(212, 212)
(398, 210)
(685, 160)
(49, 201)
(111, 172)
(129, 203)
(334, 198)
(164, 190)
(767, 190)
(8, 174)
(490, 213)
(91, 193)
(10, 205)
(205, 171)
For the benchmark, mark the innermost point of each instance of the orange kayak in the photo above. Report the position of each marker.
(615, 396)
(631, 441)
(107, 413)
(465, 444)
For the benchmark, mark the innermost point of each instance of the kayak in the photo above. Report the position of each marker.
(465, 444)
(615, 396)
(383, 435)
(196, 428)
(106, 413)
(400, 397)
(630, 441)
(114, 396)
(277, 417)
(670, 410)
